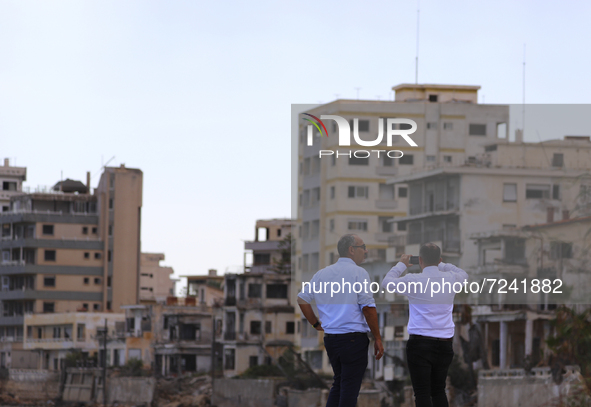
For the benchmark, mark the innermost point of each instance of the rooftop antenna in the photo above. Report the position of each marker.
(357, 93)
(523, 110)
(417, 55)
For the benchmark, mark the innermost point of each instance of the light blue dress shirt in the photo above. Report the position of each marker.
(340, 312)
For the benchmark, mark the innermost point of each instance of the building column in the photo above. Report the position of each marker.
(503, 345)
(529, 336)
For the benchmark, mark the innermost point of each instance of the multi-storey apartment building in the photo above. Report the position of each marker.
(155, 281)
(271, 248)
(348, 194)
(206, 289)
(68, 250)
(11, 183)
(50, 337)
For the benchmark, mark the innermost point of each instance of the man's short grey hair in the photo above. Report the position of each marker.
(344, 243)
(430, 253)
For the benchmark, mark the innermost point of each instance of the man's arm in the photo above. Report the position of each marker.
(459, 274)
(396, 271)
(371, 316)
(309, 314)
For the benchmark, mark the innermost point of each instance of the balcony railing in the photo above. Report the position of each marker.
(438, 207)
(13, 263)
(230, 336)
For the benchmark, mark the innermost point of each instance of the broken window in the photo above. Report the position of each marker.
(558, 160)
(229, 358)
(477, 129)
(514, 250)
(289, 327)
(255, 290)
(255, 327)
(276, 290)
(537, 191)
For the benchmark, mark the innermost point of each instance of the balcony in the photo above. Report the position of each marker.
(268, 245)
(386, 204)
(386, 170)
(229, 336)
(437, 207)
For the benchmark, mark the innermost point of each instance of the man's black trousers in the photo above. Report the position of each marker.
(428, 361)
(348, 357)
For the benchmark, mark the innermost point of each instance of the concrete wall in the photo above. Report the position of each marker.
(24, 359)
(130, 390)
(513, 388)
(245, 393)
(30, 385)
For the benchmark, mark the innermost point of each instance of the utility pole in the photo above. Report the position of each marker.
(104, 361)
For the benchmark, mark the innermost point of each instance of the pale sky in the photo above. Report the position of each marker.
(198, 94)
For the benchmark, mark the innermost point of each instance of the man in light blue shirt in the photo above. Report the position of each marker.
(347, 312)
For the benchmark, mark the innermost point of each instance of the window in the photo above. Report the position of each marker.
(433, 98)
(358, 161)
(331, 225)
(447, 158)
(387, 161)
(49, 255)
(97, 280)
(290, 327)
(86, 255)
(402, 192)
(431, 125)
(110, 203)
(332, 192)
(262, 259)
(509, 192)
(363, 125)
(109, 305)
(57, 331)
(253, 361)
(96, 307)
(85, 306)
(448, 126)
(48, 230)
(255, 327)
(406, 159)
(8, 186)
(86, 280)
(84, 230)
(430, 158)
(110, 230)
(48, 307)
(276, 290)
(561, 250)
(81, 330)
(229, 358)
(514, 251)
(558, 160)
(109, 257)
(556, 192)
(268, 326)
(477, 129)
(97, 256)
(385, 224)
(357, 225)
(49, 281)
(537, 191)
(358, 192)
(255, 290)
(95, 231)
(401, 226)
(109, 281)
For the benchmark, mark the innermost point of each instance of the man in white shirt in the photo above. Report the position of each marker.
(430, 295)
(348, 312)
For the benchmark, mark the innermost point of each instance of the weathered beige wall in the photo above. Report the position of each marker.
(71, 257)
(66, 231)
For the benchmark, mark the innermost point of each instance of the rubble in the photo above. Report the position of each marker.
(183, 391)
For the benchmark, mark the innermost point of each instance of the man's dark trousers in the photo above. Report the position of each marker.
(348, 357)
(428, 362)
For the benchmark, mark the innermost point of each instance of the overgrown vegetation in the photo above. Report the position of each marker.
(255, 372)
(133, 368)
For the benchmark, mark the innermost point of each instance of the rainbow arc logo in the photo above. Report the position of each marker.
(316, 124)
